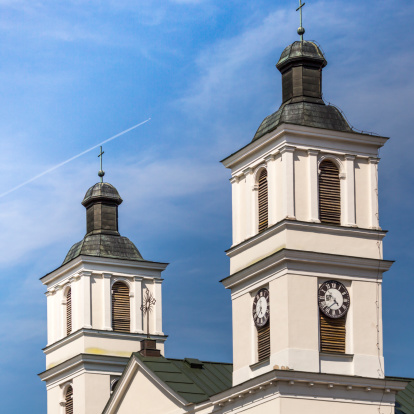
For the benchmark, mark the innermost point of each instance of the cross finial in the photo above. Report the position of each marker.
(301, 30)
(101, 172)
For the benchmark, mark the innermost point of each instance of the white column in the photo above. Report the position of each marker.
(235, 199)
(349, 193)
(158, 307)
(271, 188)
(106, 301)
(76, 299)
(313, 175)
(60, 309)
(51, 314)
(373, 193)
(288, 182)
(137, 324)
(85, 286)
(249, 200)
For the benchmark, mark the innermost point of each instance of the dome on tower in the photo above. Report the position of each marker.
(101, 191)
(102, 238)
(301, 65)
(300, 51)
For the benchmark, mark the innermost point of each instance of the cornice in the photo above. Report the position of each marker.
(301, 131)
(284, 257)
(293, 379)
(78, 265)
(79, 362)
(286, 224)
(99, 333)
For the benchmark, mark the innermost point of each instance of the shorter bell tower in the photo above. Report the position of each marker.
(94, 310)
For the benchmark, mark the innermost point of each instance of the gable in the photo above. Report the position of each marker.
(142, 395)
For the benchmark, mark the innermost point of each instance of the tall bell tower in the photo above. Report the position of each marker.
(306, 263)
(94, 316)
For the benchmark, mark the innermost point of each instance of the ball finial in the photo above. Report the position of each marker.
(301, 31)
(101, 173)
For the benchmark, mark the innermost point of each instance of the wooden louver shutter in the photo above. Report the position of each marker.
(69, 400)
(69, 311)
(329, 193)
(332, 334)
(263, 201)
(263, 342)
(121, 316)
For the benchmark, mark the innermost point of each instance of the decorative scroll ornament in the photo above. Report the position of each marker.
(147, 307)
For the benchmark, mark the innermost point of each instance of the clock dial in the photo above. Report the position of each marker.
(333, 299)
(261, 309)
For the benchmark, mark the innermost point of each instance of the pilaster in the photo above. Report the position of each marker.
(158, 307)
(313, 185)
(271, 188)
(249, 202)
(373, 190)
(136, 306)
(235, 196)
(106, 301)
(288, 182)
(85, 285)
(349, 200)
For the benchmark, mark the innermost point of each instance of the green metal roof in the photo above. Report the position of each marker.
(405, 400)
(192, 379)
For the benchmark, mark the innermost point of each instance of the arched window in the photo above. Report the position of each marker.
(69, 311)
(263, 201)
(114, 383)
(121, 314)
(69, 400)
(329, 193)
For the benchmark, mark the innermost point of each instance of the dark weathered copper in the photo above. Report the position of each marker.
(147, 306)
(301, 65)
(102, 236)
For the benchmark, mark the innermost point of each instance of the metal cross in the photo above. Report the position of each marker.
(147, 306)
(301, 30)
(101, 172)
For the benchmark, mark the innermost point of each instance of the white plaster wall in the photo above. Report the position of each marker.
(307, 239)
(54, 397)
(142, 396)
(316, 406)
(294, 322)
(122, 346)
(243, 344)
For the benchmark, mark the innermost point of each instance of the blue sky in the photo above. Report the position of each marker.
(75, 72)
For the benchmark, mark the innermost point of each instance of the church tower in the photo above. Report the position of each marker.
(94, 316)
(306, 262)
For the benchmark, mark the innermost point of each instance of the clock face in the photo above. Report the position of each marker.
(333, 299)
(261, 309)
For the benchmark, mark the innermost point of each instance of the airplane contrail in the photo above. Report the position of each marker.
(72, 158)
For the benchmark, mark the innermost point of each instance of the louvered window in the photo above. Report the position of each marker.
(121, 315)
(263, 342)
(69, 311)
(329, 193)
(332, 334)
(69, 400)
(263, 201)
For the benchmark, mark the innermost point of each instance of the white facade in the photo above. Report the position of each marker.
(93, 355)
(297, 253)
